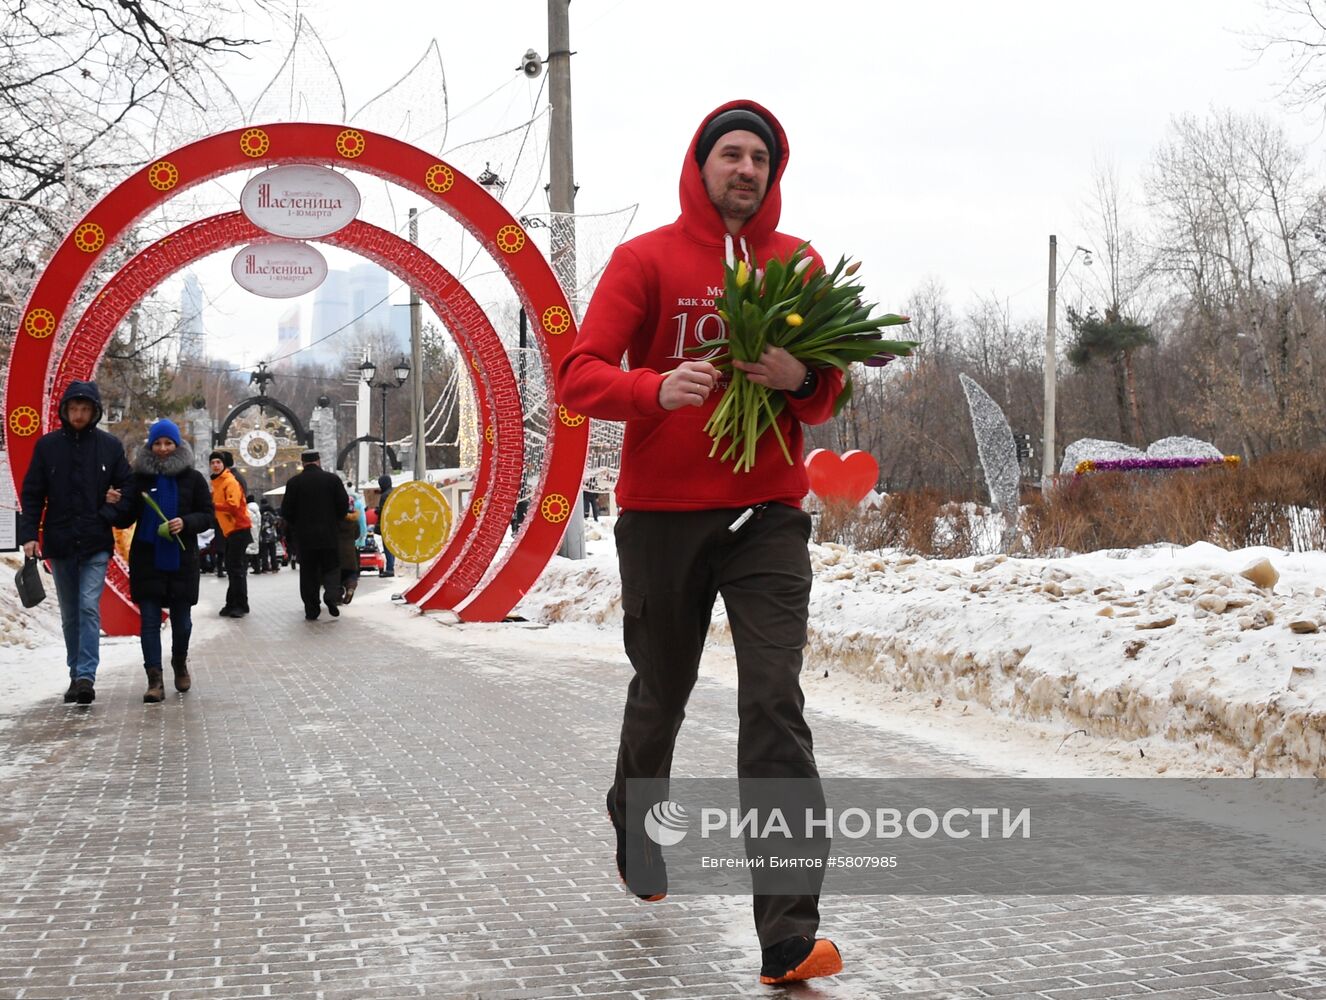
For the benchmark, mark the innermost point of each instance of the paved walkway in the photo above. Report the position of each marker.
(337, 813)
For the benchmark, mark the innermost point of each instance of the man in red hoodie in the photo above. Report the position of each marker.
(690, 527)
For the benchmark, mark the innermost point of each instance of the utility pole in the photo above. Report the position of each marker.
(562, 189)
(363, 413)
(562, 199)
(1047, 452)
(417, 365)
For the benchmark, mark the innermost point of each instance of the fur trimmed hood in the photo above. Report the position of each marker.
(147, 464)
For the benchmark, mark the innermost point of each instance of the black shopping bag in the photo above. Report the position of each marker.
(28, 581)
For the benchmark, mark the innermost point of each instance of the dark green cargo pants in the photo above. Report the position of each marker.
(673, 565)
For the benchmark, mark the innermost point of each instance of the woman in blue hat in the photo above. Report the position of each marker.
(172, 503)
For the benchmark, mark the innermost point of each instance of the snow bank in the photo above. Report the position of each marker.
(26, 627)
(1155, 642)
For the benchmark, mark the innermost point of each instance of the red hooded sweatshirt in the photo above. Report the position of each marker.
(655, 299)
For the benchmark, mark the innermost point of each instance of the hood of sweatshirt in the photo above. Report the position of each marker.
(81, 390)
(700, 219)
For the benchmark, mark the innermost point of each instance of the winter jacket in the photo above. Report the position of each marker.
(655, 299)
(384, 491)
(313, 508)
(232, 513)
(67, 483)
(269, 532)
(353, 531)
(146, 581)
(255, 527)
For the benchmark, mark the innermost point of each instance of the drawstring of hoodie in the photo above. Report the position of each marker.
(729, 253)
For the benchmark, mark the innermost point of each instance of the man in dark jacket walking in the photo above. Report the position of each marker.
(313, 509)
(73, 493)
(384, 487)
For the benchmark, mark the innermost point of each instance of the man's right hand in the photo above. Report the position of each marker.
(689, 384)
(30, 550)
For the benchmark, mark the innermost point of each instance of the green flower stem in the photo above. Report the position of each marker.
(835, 329)
(164, 519)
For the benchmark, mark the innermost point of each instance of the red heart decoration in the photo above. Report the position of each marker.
(848, 477)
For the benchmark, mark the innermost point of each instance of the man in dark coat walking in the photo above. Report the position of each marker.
(73, 492)
(384, 487)
(313, 509)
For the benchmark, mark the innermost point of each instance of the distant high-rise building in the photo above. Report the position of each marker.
(366, 289)
(193, 339)
(347, 306)
(400, 327)
(330, 333)
(287, 340)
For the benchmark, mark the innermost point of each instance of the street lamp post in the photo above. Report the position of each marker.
(400, 373)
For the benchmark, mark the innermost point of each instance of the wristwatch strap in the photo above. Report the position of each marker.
(808, 385)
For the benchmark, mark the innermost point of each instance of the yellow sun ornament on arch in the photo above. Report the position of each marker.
(24, 421)
(351, 143)
(253, 143)
(556, 320)
(511, 239)
(555, 508)
(39, 324)
(439, 178)
(163, 175)
(89, 237)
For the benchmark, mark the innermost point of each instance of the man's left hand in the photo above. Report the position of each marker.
(776, 369)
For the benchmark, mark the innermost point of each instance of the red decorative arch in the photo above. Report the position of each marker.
(471, 551)
(478, 590)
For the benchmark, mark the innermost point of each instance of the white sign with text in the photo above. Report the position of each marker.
(300, 201)
(279, 270)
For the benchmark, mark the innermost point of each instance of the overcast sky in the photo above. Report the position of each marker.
(940, 140)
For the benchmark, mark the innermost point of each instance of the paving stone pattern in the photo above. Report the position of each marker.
(336, 813)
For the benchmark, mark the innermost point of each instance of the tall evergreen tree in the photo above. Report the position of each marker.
(1113, 338)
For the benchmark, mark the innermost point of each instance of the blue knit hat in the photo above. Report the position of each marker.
(163, 429)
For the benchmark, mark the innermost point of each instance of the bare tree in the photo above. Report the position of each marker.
(1296, 31)
(1235, 228)
(83, 83)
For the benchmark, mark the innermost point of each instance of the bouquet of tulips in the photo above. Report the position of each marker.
(816, 316)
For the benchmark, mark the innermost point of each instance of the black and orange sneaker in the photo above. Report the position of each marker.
(649, 873)
(800, 958)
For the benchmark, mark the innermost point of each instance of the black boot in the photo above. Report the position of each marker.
(180, 664)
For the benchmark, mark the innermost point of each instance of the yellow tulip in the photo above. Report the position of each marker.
(793, 319)
(743, 274)
(853, 268)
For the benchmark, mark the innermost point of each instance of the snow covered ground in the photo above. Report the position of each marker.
(1140, 662)
(32, 664)
(1155, 644)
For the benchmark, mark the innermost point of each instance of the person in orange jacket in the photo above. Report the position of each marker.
(232, 517)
